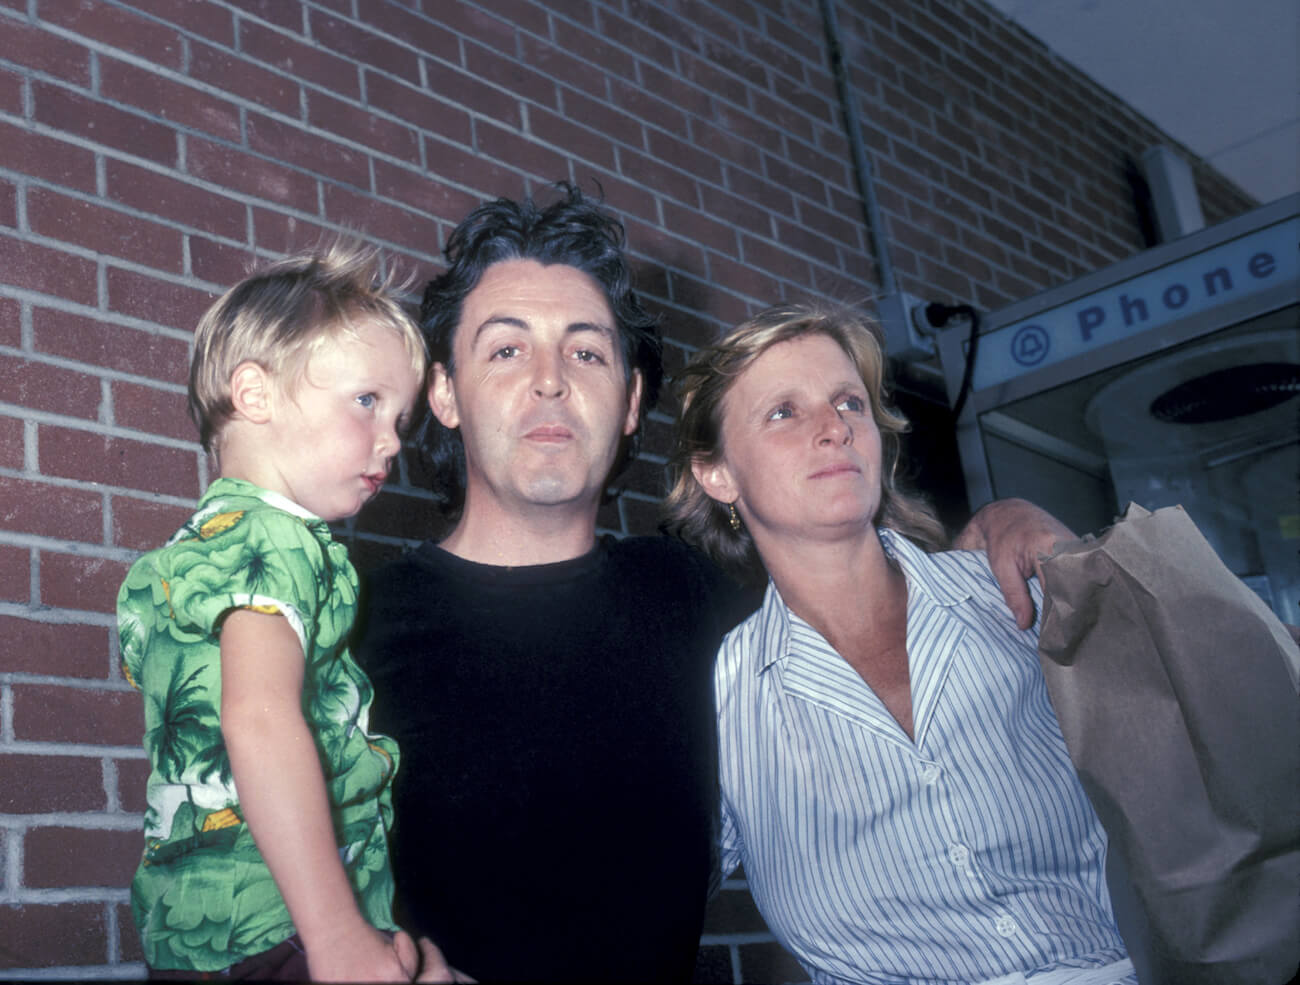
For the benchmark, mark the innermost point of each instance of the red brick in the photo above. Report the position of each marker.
(243, 77)
(299, 59)
(11, 443)
(143, 524)
(118, 461)
(48, 713)
(208, 20)
(15, 574)
(36, 48)
(441, 116)
(184, 105)
(51, 511)
(468, 90)
(377, 134)
(522, 152)
(180, 201)
(280, 233)
(53, 935)
(47, 270)
(220, 263)
(510, 74)
(132, 782)
(253, 176)
(8, 204)
(128, 937)
(46, 784)
(50, 388)
(162, 302)
(365, 47)
(417, 30)
(286, 15)
(659, 175)
(58, 649)
(101, 344)
(78, 581)
(307, 149)
(103, 230)
(615, 124)
(494, 31)
(413, 189)
(647, 106)
(11, 329)
(119, 28)
(594, 48)
(101, 123)
(684, 154)
(152, 410)
(577, 141)
(380, 220)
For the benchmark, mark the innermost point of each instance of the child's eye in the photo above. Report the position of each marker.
(367, 400)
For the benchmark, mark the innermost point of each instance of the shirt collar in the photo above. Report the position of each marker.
(928, 579)
(780, 628)
(227, 487)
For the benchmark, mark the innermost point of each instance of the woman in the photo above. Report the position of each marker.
(892, 774)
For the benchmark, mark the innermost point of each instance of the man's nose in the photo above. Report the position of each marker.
(550, 376)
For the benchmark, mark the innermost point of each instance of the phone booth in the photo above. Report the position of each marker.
(1170, 378)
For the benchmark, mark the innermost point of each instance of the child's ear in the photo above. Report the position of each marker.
(250, 392)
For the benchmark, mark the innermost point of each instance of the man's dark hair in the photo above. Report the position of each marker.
(573, 231)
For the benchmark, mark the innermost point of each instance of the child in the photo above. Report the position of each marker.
(268, 803)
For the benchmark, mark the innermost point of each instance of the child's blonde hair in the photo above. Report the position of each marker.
(277, 317)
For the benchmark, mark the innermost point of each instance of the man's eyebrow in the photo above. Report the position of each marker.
(513, 321)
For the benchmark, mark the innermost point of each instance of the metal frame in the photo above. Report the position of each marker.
(952, 346)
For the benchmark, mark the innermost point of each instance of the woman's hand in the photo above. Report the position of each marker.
(1015, 533)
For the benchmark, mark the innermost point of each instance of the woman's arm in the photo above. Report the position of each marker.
(1014, 532)
(282, 794)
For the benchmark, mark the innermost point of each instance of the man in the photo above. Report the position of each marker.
(550, 692)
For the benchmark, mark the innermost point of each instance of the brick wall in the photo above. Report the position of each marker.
(150, 150)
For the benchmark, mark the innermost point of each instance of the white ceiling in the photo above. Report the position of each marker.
(1220, 76)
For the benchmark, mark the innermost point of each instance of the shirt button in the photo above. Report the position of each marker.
(1005, 926)
(958, 855)
(929, 774)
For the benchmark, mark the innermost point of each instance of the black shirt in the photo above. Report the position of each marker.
(557, 787)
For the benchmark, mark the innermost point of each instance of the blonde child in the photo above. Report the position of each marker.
(268, 802)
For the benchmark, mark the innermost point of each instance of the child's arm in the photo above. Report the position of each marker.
(282, 793)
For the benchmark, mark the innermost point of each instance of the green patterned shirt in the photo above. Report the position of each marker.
(203, 898)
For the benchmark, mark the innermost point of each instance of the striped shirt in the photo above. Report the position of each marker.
(966, 854)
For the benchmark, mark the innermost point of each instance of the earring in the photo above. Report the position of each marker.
(733, 517)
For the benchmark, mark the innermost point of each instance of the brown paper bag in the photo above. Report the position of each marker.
(1171, 681)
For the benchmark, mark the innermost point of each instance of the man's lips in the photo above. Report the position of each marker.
(547, 433)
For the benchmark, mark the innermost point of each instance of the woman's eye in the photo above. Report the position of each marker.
(506, 352)
(855, 404)
(781, 413)
(588, 356)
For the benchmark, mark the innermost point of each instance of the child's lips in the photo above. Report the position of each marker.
(374, 482)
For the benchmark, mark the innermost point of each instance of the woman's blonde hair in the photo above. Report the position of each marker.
(702, 388)
(279, 315)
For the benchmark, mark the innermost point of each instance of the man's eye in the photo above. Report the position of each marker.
(588, 356)
(506, 352)
(366, 400)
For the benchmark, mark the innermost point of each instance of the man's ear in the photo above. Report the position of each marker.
(633, 404)
(715, 479)
(442, 396)
(251, 392)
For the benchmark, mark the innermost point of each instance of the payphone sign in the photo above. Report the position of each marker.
(1227, 272)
